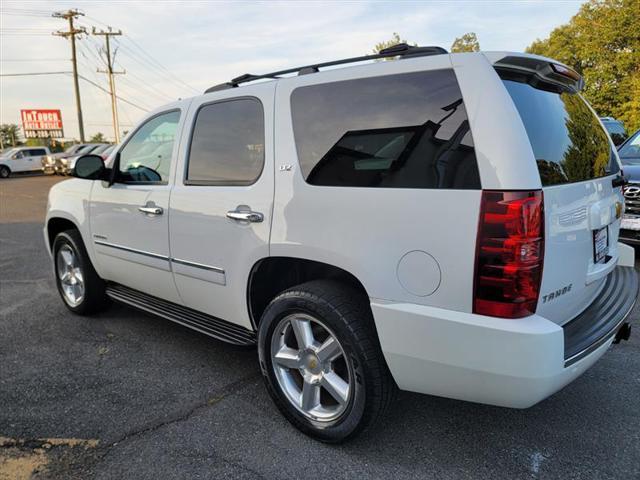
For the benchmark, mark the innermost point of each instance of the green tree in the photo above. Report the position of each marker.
(10, 135)
(395, 40)
(98, 138)
(602, 43)
(466, 43)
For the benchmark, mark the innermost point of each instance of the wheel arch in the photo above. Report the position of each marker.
(270, 276)
(55, 225)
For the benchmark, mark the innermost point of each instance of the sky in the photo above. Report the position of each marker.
(173, 50)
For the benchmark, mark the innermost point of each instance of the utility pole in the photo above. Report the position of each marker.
(112, 84)
(71, 15)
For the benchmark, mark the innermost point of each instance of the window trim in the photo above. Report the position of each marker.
(137, 129)
(226, 183)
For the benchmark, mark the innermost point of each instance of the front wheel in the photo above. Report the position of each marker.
(80, 287)
(322, 362)
(4, 171)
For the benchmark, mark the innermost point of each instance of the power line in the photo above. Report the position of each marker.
(31, 73)
(142, 61)
(32, 10)
(107, 91)
(33, 60)
(146, 88)
(26, 14)
(135, 94)
(144, 56)
(149, 60)
(23, 34)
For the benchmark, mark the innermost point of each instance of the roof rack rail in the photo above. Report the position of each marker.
(400, 50)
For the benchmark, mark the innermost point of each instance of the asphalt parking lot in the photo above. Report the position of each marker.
(126, 395)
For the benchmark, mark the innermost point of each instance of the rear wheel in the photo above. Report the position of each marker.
(322, 362)
(80, 287)
(4, 171)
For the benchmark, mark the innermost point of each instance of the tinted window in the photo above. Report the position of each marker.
(227, 144)
(615, 127)
(630, 152)
(566, 137)
(35, 152)
(616, 131)
(146, 157)
(397, 131)
(84, 149)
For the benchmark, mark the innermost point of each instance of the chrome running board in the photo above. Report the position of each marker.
(203, 323)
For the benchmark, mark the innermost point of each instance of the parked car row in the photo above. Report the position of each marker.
(34, 159)
(62, 163)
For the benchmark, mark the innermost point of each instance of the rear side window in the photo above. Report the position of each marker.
(396, 131)
(227, 144)
(567, 139)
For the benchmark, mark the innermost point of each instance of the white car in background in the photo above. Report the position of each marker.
(446, 224)
(22, 159)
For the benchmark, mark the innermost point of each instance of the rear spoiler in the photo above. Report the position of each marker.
(542, 67)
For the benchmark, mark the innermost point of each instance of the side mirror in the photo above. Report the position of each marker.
(90, 167)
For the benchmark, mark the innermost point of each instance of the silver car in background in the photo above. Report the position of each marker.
(64, 165)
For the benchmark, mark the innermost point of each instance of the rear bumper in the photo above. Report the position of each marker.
(510, 363)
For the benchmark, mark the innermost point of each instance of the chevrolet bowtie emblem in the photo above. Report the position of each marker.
(618, 209)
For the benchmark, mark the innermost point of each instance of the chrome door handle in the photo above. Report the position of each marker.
(246, 216)
(151, 210)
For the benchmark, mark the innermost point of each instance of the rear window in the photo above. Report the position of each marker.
(395, 131)
(567, 139)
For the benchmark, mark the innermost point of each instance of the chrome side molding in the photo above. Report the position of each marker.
(197, 265)
(129, 249)
(187, 263)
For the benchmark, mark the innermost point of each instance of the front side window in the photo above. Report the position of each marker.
(146, 157)
(397, 131)
(227, 144)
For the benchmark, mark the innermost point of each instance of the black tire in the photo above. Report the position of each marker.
(5, 172)
(94, 299)
(347, 313)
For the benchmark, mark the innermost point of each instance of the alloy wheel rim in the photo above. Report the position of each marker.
(70, 275)
(311, 367)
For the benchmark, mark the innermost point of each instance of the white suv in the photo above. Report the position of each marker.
(22, 159)
(446, 224)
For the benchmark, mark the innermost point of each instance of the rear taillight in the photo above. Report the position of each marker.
(509, 253)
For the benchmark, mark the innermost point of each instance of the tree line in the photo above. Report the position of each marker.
(602, 43)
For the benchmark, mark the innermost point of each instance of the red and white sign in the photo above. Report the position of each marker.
(40, 123)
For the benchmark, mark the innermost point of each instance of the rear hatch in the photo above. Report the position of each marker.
(582, 199)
